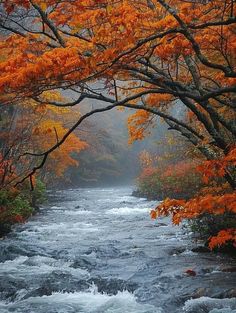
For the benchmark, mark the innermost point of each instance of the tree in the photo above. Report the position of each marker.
(30, 128)
(155, 54)
(150, 55)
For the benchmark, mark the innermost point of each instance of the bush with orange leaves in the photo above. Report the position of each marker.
(217, 201)
(173, 181)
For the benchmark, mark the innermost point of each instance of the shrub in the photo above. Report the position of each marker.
(18, 205)
(180, 180)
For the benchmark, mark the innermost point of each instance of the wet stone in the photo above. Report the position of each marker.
(228, 269)
(84, 263)
(200, 249)
(112, 286)
(228, 293)
(105, 251)
(9, 286)
(13, 251)
(177, 251)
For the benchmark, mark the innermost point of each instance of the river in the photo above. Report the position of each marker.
(98, 251)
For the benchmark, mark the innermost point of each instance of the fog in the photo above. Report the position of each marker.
(110, 159)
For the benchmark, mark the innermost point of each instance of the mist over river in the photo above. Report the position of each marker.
(98, 251)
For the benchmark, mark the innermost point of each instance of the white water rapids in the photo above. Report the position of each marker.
(98, 251)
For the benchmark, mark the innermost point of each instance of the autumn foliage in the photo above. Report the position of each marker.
(215, 201)
(223, 237)
(157, 57)
(175, 180)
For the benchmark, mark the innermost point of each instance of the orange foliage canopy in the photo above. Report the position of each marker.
(78, 40)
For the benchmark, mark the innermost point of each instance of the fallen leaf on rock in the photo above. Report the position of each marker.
(190, 272)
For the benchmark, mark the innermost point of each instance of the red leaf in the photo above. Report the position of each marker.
(190, 272)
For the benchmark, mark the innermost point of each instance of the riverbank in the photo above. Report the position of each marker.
(139, 194)
(6, 227)
(205, 226)
(18, 205)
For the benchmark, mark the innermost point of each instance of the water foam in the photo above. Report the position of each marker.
(24, 266)
(128, 210)
(84, 302)
(211, 305)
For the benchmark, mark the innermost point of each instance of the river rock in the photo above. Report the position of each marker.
(9, 286)
(200, 249)
(228, 269)
(84, 263)
(112, 286)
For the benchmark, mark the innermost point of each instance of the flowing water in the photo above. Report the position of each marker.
(98, 251)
